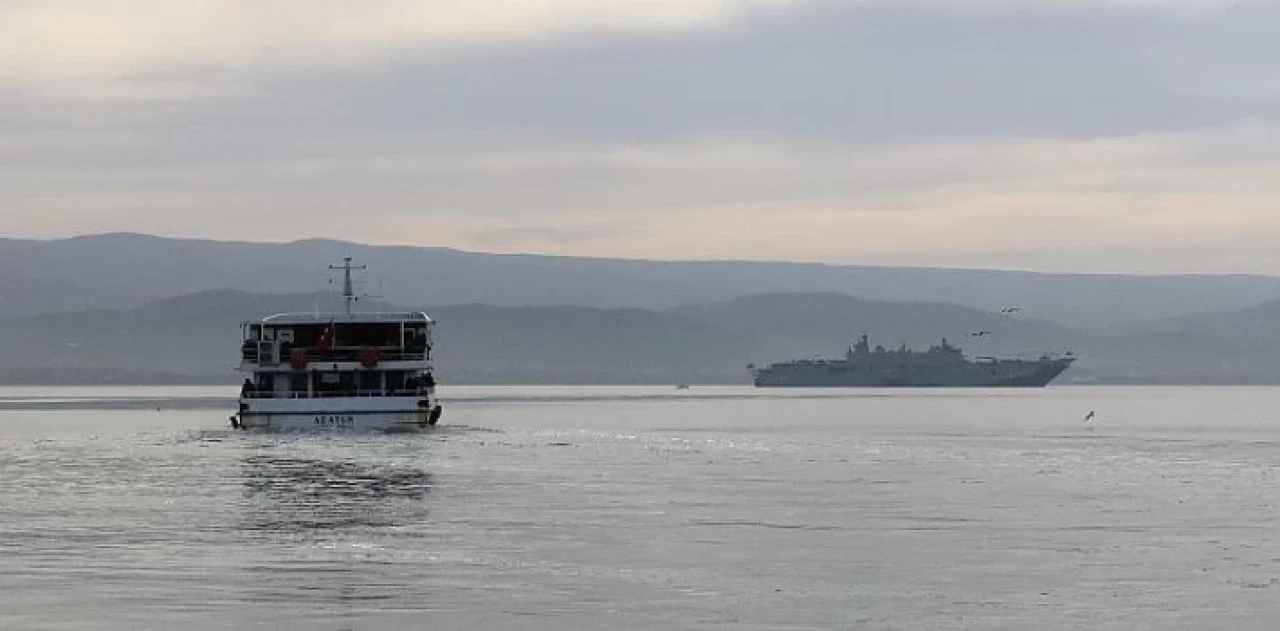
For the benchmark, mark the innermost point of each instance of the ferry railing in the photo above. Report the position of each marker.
(354, 353)
(340, 353)
(332, 394)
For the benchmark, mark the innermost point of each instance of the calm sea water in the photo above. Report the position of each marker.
(649, 508)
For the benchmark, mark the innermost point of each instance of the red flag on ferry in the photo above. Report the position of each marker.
(326, 339)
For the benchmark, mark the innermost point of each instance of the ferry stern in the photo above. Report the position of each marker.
(350, 370)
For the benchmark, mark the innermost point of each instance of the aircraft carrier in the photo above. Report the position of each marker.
(943, 366)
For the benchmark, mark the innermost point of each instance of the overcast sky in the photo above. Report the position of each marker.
(1092, 135)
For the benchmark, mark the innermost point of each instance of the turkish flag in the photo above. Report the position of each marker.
(326, 339)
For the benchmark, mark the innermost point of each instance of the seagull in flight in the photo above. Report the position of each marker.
(1089, 417)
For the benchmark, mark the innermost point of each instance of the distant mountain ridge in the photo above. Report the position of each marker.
(120, 271)
(195, 338)
(1252, 326)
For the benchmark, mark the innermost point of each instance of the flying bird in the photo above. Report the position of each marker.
(1089, 416)
(980, 333)
(1010, 310)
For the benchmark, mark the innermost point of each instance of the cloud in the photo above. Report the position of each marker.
(859, 71)
(969, 202)
(906, 131)
(80, 39)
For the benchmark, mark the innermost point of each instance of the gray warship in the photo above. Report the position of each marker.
(939, 367)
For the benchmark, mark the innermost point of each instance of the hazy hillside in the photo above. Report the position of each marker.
(122, 271)
(195, 337)
(1255, 326)
(826, 322)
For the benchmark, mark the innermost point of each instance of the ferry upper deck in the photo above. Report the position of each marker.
(301, 339)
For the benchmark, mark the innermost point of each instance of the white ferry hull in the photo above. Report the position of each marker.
(359, 413)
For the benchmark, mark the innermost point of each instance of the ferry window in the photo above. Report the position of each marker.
(298, 383)
(367, 334)
(307, 336)
(325, 383)
(266, 382)
(395, 380)
(332, 383)
(370, 381)
(415, 339)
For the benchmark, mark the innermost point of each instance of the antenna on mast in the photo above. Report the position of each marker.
(348, 291)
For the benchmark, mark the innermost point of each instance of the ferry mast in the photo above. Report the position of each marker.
(348, 289)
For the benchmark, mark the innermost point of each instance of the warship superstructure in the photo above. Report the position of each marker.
(938, 367)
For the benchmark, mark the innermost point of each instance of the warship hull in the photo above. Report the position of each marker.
(940, 367)
(1031, 374)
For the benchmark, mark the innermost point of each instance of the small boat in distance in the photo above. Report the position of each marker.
(350, 370)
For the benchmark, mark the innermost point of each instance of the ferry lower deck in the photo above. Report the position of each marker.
(376, 413)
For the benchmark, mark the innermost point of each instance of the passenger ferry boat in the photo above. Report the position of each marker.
(352, 370)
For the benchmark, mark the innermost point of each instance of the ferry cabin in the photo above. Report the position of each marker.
(338, 369)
